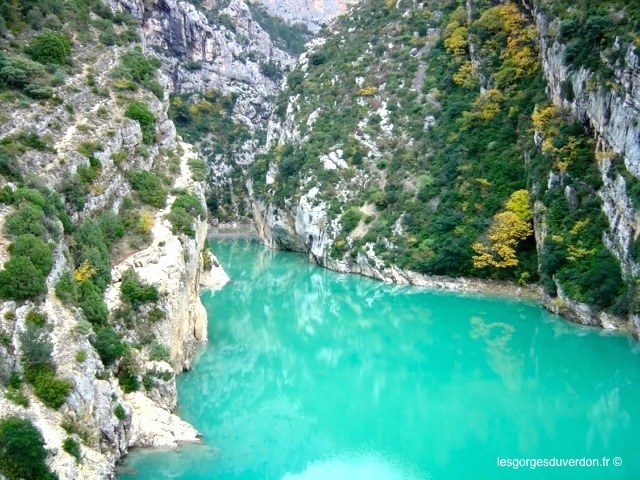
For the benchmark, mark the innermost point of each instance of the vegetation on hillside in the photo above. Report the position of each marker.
(434, 112)
(72, 78)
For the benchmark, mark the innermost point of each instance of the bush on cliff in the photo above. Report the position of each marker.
(22, 452)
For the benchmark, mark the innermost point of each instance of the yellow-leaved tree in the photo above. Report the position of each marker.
(84, 272)
(507, 229)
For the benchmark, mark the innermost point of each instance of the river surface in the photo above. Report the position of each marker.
(311, 374)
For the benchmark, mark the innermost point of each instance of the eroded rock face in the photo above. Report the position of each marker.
(611, 112)
(199, 52)
(313, 13)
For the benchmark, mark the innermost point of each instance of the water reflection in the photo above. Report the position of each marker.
(305, 364)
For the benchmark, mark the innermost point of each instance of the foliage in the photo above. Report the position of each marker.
(92, 303)
(50, 48)
(134, 292)
(24, 75)
(35, 319)
(39, 369)
(28, 219)
(198, 169)
(67, 289)
(149, 187)
(140, 112)
(21, 280)
(507, 229)
(38, 252)
(350, 219)
(184, 210)
(108, 344)
(22, 452)
(119, 412)
(128, 371)
(159, 352)
(84, 272)
(72, 447)
(135, 68)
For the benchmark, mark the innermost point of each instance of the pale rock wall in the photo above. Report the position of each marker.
(312, 13)
(612, 112)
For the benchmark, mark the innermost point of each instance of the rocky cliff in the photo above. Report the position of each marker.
(408, 185)
(313, 13)
(216, 49)
(609, 110)
(113, 355)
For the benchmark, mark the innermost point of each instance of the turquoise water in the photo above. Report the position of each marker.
(310, 374)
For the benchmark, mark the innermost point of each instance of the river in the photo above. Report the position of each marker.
(311, 374)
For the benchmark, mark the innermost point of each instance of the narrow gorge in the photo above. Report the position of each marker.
(473, 146)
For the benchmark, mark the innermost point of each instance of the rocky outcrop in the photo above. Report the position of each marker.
(200, 51)
(610, 109)
(104, 420)
(174, 265)
(313, 13)
(303, 228)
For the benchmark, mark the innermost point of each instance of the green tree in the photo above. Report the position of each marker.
(22, 453)
(21, 280)
(30, 246)
(50, 48)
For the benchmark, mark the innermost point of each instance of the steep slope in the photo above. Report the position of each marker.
(417, 138)
(313, 13)
(101, 266)
(225, 66)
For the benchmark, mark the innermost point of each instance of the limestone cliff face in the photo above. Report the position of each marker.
(611, 110)
(313, 13)
(209, 48)
(173, 263)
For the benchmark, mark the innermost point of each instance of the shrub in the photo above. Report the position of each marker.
(67, 289)
(317, 58)
(81, 356)
(108, 345)
(112, 227)
(119, 412)
(183, 211)
(50, 48)
(149, 187)
(137, 67)
(50, 389)
(135, 292)
(72, 448)
(140, 111)
(35, 319)
(17, 396)
(350, 219)
(128, 372)
(29, 218)
(198, 169)
(19, 73)
(36, 351)
(159, 352)
(22, 452)
(32, 247)
(75, 192)
(21, 280)
(92, 303)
